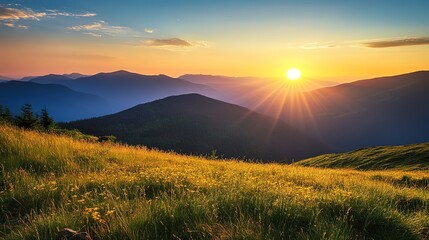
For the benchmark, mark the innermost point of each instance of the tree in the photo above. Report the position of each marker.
(27, 119)
(7, 115)
(46, 121)
(1, 113)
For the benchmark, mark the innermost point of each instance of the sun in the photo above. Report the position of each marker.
(293, 74)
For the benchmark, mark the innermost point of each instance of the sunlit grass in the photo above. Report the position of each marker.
(112, 191)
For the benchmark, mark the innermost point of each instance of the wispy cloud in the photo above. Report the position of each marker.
(13, 25)
(167, 42)
(99, 28)
(54, 12)
(398, 42)
(9, 15)
(91, 26)
(14, 14)
(148, 30)
(93, 34)
(318, 45)
(369, 43)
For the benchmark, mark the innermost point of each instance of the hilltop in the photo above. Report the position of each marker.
(408, 157)
(112, 191)
(196, 124)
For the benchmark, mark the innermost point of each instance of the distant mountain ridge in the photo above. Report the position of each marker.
(124, 89)
(381, 111)
(119, 90)
(74, 75)
(4, 78)
(197, 124)
(62, 102)
(52, 79)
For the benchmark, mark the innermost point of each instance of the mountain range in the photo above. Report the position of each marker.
(62, 102)
(252, 92)
(195, 124)
(122, 89)
(380, 111)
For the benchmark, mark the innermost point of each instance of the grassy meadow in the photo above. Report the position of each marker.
(406, 157)
(49, 182)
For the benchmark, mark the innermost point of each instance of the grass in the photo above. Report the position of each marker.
(408, 157)
(48, 182)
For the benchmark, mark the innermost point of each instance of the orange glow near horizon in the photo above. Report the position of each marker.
(340, 65)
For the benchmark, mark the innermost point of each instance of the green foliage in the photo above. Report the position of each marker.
(5, 115)
(112, 191)
(407, 157)
(46, 121)
(75, 134)
(109, 138)
(27, 119)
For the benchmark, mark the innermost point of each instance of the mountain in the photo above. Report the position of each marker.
(53, 76)
(124, 89)
(28, 78)
(62, 103)
(4, 78)
(51, 79)
(75, 75)
(197, 124)
(226, 82)
(408, 157)
(380, 111)
(372, 112)
(252, 92)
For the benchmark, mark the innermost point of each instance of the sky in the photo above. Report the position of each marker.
(326, 40)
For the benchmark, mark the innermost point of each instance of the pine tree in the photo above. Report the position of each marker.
(27, 119)
(46, 121)
(7, 115)
(1, 113)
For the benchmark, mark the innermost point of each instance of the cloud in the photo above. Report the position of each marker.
(99, 28)
(9, 15)
(53, 12)
(93, 34)
(91, 26)
(12, 25)
(148, 30)
(317, 45)
(14, 14)
(166, 42)
(203, 44)
(398, 42)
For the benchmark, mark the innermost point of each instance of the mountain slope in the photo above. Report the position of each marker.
(62, 103)
(381, 111)
(408, 157)
(196, 124)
